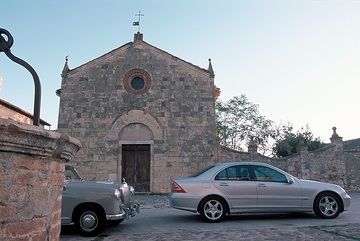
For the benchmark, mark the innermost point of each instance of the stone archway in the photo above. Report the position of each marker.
(138, 116)
(136, 130)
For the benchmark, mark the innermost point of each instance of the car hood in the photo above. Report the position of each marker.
(92, 183)
(320, 185)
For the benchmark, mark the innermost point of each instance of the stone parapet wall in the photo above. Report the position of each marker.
(352, 165)
(31, 179)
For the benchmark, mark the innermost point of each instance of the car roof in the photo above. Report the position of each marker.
(241, 163)
(225, 164)
(219, 166)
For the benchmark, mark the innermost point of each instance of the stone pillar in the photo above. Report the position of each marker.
(337, 140)
(31, 179)
(339, 167)
(303, 150)
(138, 37)
(252, 149)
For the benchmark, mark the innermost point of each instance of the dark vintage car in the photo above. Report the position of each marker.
(90, 206)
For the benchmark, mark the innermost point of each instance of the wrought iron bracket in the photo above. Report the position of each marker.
(5, 45)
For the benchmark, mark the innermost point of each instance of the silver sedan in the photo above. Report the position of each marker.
(251, 187)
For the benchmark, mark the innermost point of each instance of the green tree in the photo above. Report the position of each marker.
(287, 142)
(238, 122)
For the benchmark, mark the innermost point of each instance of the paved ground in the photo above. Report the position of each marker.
(157, 222)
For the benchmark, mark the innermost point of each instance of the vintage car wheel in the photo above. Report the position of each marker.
(90, 221)
(212, 209)
(114, 222)
(327, 205)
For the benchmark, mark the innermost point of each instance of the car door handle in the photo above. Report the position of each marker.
(224, 184)
(261, 185)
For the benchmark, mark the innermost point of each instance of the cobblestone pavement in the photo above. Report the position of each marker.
(308, 228)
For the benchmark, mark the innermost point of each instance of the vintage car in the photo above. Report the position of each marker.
(90, 206)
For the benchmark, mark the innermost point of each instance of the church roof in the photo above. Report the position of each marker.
(138, 38)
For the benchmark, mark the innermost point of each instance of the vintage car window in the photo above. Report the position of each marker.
(71, 174)
(267, 174)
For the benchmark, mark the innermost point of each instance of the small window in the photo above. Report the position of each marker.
(137, 81)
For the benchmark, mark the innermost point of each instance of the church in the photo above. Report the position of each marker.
(141, 114)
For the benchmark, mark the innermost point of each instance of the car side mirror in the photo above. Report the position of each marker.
(290, 180)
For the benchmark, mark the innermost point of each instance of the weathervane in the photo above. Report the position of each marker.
(138, 22)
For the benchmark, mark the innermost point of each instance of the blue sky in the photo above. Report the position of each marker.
(299, 60)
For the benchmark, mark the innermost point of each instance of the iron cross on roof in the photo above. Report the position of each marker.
(138, 22)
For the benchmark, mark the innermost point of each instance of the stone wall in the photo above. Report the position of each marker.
(352, 165)
(31, 179)
(12, 112)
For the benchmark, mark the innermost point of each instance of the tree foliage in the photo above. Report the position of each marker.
(238, 122)
(287, 142)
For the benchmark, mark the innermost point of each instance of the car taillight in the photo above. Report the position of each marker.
(175, 187)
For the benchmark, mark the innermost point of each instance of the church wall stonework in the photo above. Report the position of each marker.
(178, 106)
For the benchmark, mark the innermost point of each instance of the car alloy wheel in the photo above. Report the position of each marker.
(327, 206)
(212, 209)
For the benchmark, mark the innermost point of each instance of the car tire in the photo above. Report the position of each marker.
(114, 222)
(327, 205)
(90, 221)
(212, 209)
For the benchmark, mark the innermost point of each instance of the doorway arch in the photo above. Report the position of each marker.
(135, 133)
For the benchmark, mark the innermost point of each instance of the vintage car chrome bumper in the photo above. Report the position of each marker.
(127, 212)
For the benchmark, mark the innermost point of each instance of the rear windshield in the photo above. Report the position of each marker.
(201, 171)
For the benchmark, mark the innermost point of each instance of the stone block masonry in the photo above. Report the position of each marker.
(31, 179)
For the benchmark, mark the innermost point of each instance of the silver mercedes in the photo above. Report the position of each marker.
(252, 187)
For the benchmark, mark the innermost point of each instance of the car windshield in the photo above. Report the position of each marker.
(71, 174)
(201, 171)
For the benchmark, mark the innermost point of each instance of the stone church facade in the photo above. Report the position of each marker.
(141, 114)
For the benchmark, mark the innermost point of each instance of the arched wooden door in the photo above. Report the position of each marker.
(136, 166)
